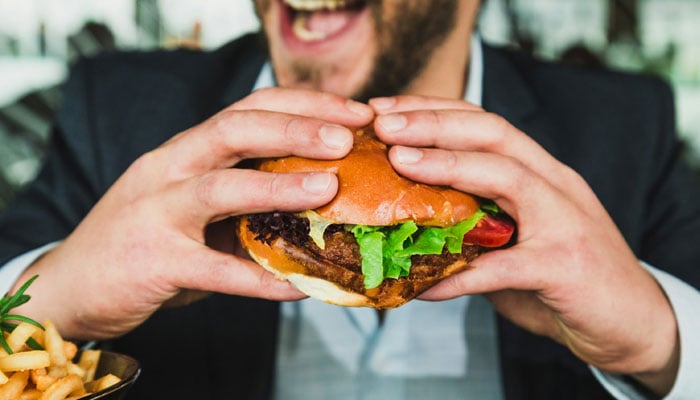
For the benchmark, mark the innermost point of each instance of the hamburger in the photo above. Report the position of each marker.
(382, 240)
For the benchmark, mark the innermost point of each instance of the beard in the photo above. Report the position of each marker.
(405, 43)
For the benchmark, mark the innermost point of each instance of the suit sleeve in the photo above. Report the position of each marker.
(684, 300)
(672, 232)
(65, 189)
(670, 244)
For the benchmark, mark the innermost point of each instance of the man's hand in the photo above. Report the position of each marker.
(571, 276)
(153, 236)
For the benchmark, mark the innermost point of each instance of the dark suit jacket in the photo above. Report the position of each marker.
(616, 130)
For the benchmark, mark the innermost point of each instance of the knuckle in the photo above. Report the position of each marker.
(295, 131)
(223, 122)
(218, 272)
(261, 94)
(274, 187)
(403, 100)
(519, 177)
(255, 99)
(451, 161)
(207, 189)
(578, 188)
(267, 282)
(145, 162)
(223, 137)
(332, 99)
(572, 177)
(289, 128)
(215, 273)
(148, 173)
(454, 285)
(498, 128)
(265, 92)
(435, 117)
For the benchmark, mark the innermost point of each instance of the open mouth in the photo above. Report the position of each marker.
(310, 21)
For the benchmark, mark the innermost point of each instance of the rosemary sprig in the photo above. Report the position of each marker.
(8, 303)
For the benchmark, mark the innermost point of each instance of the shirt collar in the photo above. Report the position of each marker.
(475, 80)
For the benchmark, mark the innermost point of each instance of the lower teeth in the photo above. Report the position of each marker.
(300, 30)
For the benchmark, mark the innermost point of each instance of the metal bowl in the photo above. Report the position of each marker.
(123, 366)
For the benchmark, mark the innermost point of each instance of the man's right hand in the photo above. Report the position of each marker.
(143, 245)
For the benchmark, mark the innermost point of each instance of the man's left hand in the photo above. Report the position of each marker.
(570, 276)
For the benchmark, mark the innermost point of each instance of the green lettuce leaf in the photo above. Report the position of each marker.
(370, 241)
(386, 251)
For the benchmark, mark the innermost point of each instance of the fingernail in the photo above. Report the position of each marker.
(392, 122)
(407, 155)
(382, 103)
(358, 108)
(334, 136)
(317, 183)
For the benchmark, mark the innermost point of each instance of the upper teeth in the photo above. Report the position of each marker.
(316, 5)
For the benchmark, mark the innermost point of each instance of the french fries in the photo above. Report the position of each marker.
(48, 374)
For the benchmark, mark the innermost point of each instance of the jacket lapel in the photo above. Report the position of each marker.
(508, 93)
(243, 75)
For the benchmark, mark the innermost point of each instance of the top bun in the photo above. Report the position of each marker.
(370, 192)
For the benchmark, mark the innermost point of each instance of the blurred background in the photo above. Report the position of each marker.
(39, 39)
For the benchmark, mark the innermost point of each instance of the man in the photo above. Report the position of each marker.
(139, 215)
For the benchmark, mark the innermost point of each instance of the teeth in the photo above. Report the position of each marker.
(317, 5)
(299, 27)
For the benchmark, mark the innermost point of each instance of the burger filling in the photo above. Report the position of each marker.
(378, 252)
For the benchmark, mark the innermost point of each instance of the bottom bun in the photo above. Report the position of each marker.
(320, 289)
(338, 285)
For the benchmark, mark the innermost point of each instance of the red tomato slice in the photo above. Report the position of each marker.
(490, 232)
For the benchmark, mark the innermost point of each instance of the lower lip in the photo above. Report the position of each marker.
(293, 42)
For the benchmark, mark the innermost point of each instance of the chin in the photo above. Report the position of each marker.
(322, 45)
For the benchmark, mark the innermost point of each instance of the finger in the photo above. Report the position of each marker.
(213, 271)
(229, 192)
(483, 132)
(395, 104)
(495, 271)
(326, 106)
(523, 194)
(231, 136)
(464, 130)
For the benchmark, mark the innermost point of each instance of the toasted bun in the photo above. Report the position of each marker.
(335, 284)
(370, 192)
